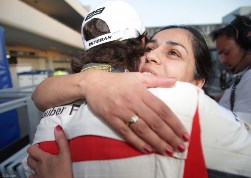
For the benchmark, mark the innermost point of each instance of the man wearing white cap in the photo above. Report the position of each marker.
(114, 37)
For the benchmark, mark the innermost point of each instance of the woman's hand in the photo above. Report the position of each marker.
(46, 165)
(119, 96)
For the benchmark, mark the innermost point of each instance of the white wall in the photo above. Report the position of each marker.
(17, 14)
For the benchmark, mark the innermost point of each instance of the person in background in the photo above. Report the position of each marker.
(233, 42)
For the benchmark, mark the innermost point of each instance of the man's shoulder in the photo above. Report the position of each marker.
(181, 97)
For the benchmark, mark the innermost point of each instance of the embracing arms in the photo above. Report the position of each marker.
(117, 97)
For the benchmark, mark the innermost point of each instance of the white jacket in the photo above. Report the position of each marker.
(226, 139)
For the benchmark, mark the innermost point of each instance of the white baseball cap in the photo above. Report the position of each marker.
(121, 18)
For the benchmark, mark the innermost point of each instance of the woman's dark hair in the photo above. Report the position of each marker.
(202, 55)
(120, 54)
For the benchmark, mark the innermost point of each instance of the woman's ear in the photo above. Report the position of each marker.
(200, 83)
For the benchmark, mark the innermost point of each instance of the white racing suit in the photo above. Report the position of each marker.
(98, 151)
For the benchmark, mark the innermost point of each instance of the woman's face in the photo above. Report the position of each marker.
(170, 54)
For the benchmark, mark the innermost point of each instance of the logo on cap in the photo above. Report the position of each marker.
(99, 40)
(93, 13)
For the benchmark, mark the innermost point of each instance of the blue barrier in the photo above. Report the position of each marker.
(9, 126)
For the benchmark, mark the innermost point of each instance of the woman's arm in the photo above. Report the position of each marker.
(58, 90)
(65, 89)
(117, 97)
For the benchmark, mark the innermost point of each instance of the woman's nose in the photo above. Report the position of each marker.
(152, 57)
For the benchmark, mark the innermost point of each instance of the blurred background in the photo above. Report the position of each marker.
(40, 37)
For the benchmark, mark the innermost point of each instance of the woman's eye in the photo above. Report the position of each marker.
(173, 53)
(148, 49)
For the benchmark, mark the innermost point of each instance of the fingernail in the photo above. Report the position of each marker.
(169, 151)
(181, 148)
(186, 137)
(59, 128)
(148, 149)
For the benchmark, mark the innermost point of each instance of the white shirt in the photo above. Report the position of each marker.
(226, 140)
(242, 104)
